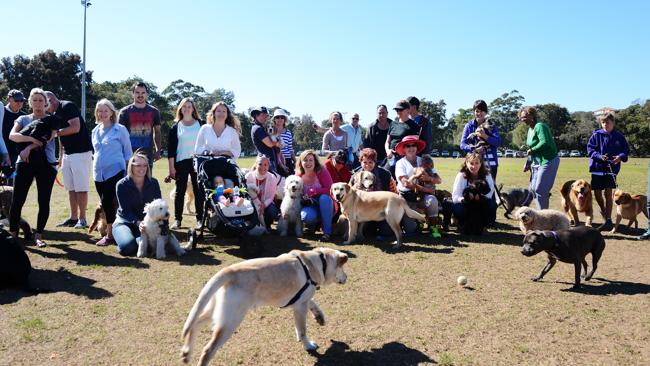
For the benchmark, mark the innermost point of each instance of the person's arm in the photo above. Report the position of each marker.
(389, 152)
(235, 144)
(490, 183)
(157, 139)
(17, 137)
(199, 146)
(125, 140)
(326, 143)
(392, 186)
(271, 188)
(366, 138)
(543, 135)
(464, 144)
(593, 148)
(427, 135)
(172, 146)
(457, 192)
(74, 125)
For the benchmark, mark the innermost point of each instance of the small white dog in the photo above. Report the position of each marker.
(156, 230)
(532, 219)
(291, 205)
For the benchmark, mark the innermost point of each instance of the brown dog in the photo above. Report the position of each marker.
(99, 222)
(577, 197)
(628, 207)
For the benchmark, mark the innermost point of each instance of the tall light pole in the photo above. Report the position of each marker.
(85, 4)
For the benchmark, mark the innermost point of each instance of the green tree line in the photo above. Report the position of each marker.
(61, 73)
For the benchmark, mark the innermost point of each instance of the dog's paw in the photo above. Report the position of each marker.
(310, 346)
(535, 279)
(320, 319)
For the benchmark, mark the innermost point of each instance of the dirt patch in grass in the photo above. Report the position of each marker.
(396, 309)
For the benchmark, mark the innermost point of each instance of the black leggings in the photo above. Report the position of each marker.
(185, 168)
(25, 174)
(107, 195)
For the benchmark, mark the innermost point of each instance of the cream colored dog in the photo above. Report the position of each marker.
(156, 234)
(359, 206)
(364, 180)
(532, 219)
(289, 280)
(189, 198)
(290, 206)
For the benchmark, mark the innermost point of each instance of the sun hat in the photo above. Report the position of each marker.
(410, 140)
(280, 113)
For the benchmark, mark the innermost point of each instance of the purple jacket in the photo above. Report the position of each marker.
(613, 144)
(490, 156)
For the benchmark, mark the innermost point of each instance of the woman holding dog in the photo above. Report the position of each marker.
(266, 185)
(543, 152)
(133, 192)
(112, 151)
(472, 170)
(472, 136)
(182, 138)
(220, 137)
(318, 206)
(42, 170)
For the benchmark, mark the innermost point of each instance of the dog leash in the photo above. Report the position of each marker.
(309, 280)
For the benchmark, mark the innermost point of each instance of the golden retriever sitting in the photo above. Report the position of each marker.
(359, 206)
(289, 280)
(577, 197)
(628, 207)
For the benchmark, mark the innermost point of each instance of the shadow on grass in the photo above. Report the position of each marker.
(90, 258)
(60, 280)
(494, 238)
(392, 353)
(608, 288)
(200, 256)
(68, 236)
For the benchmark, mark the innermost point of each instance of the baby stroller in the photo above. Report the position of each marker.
(232, 220)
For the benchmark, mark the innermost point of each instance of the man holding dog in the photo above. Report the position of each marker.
(261, 139)
(75, 156)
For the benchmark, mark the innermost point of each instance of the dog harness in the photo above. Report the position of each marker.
(309, 280)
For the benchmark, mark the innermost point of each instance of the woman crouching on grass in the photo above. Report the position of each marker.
(316, 192)
(471, 172)
(112, 151)
(133, 192)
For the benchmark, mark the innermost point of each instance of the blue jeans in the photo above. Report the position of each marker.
(125, 235)
(541, 182)
(271, 213)
(322, 212)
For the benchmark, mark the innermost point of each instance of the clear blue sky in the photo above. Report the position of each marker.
(319, 56)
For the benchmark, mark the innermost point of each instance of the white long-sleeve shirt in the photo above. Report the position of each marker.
(460, 183)
(207, 140)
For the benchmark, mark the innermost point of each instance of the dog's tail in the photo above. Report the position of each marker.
(208, 291)
(412, 213)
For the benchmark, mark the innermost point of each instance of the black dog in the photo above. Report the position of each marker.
(488, 127)
(513, 198)
(569, 246)
(14, 263)
(476, 207)
(40, 129)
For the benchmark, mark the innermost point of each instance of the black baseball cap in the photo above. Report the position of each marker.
(257, 110)
(17, 95)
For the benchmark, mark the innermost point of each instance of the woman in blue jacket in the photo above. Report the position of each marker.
(606, 149)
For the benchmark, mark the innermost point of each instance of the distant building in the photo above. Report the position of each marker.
(603, 111)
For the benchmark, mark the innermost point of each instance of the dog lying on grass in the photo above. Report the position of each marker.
(569, 246)
(289, 280)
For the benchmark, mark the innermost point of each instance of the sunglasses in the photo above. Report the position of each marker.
(355, 119)
(410, 145)
(279, 117)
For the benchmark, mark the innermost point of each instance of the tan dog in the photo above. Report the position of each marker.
(364, 180)
(99, 222)
(189, 198)
(577, 197)
(628, 207)
(359, 206)
(289, 280)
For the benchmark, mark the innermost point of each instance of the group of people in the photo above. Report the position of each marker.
(122, 147)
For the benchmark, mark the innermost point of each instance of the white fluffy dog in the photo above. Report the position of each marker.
(532, 219)
(291, 205)
(156, 230)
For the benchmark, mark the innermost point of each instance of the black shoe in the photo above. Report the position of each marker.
(644, 236)
(67, 223)
(607, 226)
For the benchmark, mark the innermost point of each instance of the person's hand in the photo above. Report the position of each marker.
(141, 227)
(156, 155)
(529, 152)
(389, 154)
(172, 172)
(616, 160)
(38, 142)
(24, 154)
(604, 157)
(5, 160)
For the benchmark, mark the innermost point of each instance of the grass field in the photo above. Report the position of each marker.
(396, 309)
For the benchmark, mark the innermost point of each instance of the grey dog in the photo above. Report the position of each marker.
(515, 197)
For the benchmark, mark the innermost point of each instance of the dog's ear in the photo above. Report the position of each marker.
(347, 187)
(342, 259)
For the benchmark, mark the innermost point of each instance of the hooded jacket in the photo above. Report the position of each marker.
(613, 144)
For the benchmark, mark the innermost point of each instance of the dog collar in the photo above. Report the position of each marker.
(307, 283)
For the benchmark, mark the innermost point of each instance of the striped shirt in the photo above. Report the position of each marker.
(287, 143)
(187, 136)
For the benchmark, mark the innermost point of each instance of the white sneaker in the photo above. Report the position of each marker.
(81, 224)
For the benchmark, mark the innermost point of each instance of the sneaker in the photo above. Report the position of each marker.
(435, 233)
(81, 224)
(325, 237)
(644, 236)
(607, 226)
(103, 242)
(199, 225)
(176, 225)
(68, 223)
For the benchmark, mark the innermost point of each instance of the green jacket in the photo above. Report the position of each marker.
(541, 143)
